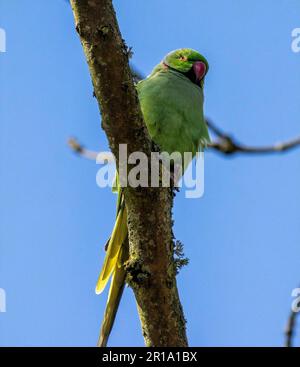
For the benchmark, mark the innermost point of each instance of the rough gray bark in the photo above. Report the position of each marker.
(151, 270)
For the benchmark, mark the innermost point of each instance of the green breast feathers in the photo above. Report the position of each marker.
(172, 106)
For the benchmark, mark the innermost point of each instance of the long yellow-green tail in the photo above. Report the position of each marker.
(116, 255)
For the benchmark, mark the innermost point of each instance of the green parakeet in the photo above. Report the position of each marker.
(171, 99)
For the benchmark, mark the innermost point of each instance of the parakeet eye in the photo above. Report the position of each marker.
(183, 58)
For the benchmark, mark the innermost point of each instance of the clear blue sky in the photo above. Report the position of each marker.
(242, 237)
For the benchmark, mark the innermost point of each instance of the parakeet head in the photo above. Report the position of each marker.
(188, 62)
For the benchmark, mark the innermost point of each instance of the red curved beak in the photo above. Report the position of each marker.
(199, 68)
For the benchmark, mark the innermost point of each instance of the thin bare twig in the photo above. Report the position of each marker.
(290, 329)
(79, 149)
(228, 145)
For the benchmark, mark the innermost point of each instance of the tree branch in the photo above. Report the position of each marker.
(81, 150)
(290, 329)
(150, 268)
(226, 144)
(291, 326)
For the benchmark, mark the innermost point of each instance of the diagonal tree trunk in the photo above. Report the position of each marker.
(150, 269)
